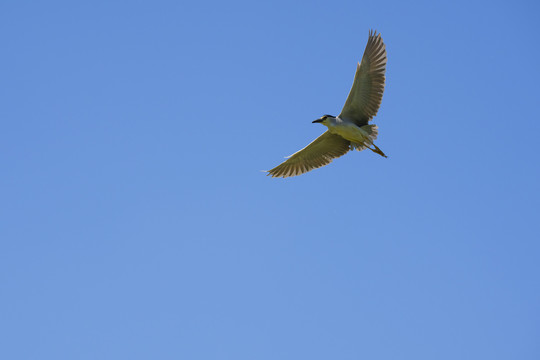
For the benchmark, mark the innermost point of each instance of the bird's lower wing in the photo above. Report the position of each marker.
(319, 152)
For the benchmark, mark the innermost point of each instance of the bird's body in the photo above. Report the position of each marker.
(360, 137)
(350, 129)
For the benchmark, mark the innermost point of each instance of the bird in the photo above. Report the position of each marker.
(349, 130)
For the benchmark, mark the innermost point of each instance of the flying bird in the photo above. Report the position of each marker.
(349, 130)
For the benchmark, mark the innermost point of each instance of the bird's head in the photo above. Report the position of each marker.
(325, 119)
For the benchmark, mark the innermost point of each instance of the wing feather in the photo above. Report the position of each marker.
(319, 152)
(367, 90)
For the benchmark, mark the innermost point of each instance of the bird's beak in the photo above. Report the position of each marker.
(317, 121)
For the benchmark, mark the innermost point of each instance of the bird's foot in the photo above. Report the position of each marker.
(378, 151)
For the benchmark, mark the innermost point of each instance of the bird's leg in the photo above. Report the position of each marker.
(377, 150)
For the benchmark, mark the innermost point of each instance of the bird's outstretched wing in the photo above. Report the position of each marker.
(319, 152)
(367, 90)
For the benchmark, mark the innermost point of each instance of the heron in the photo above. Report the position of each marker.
(349, 130)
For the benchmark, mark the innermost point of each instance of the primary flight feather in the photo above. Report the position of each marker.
(350, 129)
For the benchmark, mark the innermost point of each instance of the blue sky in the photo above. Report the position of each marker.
(136, 223)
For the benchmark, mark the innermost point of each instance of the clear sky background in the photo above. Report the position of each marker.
(135, 221)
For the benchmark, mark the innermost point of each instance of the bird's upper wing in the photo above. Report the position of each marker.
(319, 152)
(367, 90)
